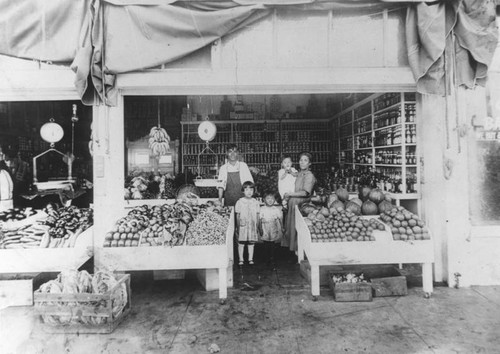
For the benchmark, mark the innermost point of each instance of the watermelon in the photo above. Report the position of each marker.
(342, 194)
(353, 207)
(376, 195)
(364, 192)
(369, 208)
(384, 206)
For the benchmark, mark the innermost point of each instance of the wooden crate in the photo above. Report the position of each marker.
(392, 283)
(76, 306)
(347, 292)
(324, 272)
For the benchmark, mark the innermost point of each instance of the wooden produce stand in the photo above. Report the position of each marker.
(39, 260)
(217, 257)
(382, 251)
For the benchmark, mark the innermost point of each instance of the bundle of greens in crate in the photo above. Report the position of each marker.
(350, 287)
(78, 301)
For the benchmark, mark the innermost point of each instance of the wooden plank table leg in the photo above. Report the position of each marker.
(222, 284)
(427, 278)
(315, 281)
(300, 249)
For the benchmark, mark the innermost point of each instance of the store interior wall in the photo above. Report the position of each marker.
(209, 105)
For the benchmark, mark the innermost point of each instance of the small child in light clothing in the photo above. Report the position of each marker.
(271, 218)
(247, 211)
(286, 178)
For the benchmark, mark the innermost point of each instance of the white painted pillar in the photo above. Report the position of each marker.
(457, 186)
(109, 170)
(432, 144)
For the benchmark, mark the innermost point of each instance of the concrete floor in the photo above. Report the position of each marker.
(276, 315)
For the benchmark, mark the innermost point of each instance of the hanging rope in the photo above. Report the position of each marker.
(158, 109)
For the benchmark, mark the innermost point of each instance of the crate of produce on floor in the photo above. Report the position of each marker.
(388, 282)
(347, 287)
(77, 302)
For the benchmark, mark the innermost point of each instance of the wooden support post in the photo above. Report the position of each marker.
(315, 280)
(300, 247)
(427, 278)
(222, 283)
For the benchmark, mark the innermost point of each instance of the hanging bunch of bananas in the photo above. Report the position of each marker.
(159, 141)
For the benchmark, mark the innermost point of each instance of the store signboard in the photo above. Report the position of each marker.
(167, 159)
(142, 158)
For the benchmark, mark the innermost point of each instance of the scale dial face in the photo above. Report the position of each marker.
(207, 131)
(51, 132)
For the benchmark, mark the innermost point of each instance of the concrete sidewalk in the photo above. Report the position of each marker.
(272, 312)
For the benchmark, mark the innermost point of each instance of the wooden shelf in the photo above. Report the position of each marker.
(404, 196)
(390, 165)
(364, 133)
(397, 125)
(316, 140)
(388, 146)
(391, 107)
(349, 135)
(363, 117)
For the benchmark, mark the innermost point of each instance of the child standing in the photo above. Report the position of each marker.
(271, 218)
(286, 178)
(247, 211)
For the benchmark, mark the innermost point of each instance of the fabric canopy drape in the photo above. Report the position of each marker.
(103, 38)
(461, 35)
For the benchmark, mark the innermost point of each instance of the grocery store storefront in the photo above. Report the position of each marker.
(324, 48)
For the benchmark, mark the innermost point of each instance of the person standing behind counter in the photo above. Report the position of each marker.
(232, 175)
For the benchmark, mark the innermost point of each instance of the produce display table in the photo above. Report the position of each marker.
(168, 258)
(382, 251)
(39, 260)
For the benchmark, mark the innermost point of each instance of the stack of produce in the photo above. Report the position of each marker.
(340, 226)
(208, 228)
(149, 185)
(142, 186)
(370, 201)
(405, 225)
(159, 141)
(160, 225)
(28, 236)
(66, 224)
(211, 206)
(167, 187)
(16, 214)
(348, 278)
(81, 282)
